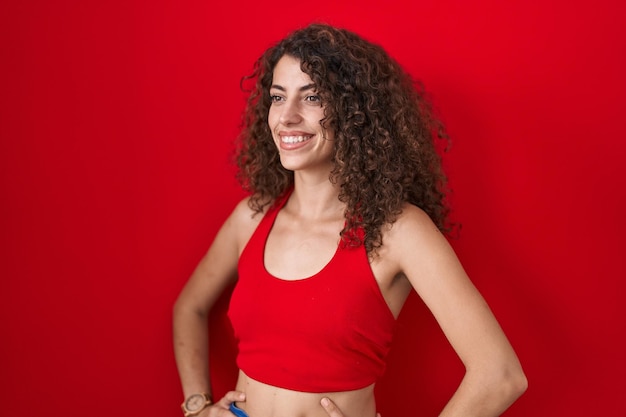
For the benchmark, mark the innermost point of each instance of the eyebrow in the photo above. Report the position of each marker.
(303, 88)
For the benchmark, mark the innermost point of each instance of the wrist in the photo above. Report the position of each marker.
(195, 403)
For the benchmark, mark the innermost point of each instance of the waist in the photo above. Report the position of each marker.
(263, 400)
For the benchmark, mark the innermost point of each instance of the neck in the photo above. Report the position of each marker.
(315, 199)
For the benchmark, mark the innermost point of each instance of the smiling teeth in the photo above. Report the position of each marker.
(294, 139)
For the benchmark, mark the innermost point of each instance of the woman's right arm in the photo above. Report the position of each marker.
(216, 270)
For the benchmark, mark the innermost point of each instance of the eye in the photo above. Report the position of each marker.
(313, 99)
(275, 98)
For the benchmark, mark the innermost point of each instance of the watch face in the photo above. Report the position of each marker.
(194, 402)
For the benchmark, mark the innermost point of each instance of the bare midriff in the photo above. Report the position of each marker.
(264, 400)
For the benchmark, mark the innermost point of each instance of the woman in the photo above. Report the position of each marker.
(344, 219)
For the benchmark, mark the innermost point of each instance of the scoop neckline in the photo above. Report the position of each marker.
(277, 210)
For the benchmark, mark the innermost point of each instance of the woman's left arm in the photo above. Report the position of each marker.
(494, 378)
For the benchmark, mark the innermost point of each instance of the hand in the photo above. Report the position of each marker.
(221, 408)
(332, 410)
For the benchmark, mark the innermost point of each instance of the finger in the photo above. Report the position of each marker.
(331, 409)
(231, 397)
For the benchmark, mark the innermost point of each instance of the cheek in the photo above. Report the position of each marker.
(329, 133)
(272, 118)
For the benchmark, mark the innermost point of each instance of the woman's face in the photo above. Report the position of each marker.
(294, 119)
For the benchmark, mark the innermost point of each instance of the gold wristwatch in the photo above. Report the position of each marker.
(196, 403)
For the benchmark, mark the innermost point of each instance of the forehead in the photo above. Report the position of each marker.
(287, 73)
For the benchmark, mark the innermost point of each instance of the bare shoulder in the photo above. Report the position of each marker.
(243, 214)
(414, 227)
(243, 221)
(415, 244)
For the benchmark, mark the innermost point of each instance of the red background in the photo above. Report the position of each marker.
(116, 123)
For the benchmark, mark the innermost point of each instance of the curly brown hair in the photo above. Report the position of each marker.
(384, 127)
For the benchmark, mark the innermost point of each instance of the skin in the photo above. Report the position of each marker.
(414, 256)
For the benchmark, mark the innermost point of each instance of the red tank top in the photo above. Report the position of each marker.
(329, 332)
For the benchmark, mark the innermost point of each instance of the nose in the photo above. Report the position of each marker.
(290, 113)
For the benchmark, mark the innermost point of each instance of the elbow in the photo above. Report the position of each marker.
(513, 384)
(185, 308)
(179, 304)
(178, 307)
(520, 385)
(501, 386)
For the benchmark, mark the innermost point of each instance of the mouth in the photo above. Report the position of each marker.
(289, 139)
